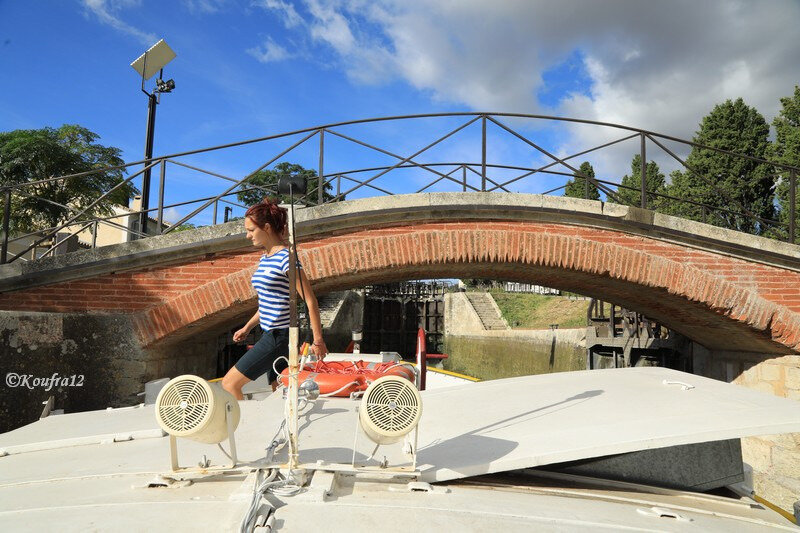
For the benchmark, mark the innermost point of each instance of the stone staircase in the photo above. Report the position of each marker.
(487, 310)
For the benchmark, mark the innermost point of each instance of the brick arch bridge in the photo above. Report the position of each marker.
(129, 313)
(723, 289)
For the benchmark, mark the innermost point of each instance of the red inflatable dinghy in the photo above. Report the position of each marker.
(342, 378)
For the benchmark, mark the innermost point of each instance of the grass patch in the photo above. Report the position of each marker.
(537, 311)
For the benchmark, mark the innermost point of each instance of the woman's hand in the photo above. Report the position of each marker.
(319, 349)
(241, 335)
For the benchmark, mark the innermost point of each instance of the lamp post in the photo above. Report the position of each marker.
(152, 61)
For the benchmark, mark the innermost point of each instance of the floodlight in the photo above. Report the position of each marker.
(153, 60)
(164, 86)
(292, 184)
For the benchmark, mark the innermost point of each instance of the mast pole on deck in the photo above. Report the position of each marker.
(292, 185)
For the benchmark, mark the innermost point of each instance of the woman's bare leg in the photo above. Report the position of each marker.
(234, 381)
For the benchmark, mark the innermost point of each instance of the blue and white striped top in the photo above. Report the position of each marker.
(271, 282)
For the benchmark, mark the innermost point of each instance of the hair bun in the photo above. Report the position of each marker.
(268, 212)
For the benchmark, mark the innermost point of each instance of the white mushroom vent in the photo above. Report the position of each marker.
(189, 406)
(391, 408)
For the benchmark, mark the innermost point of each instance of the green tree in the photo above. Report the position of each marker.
(654, 182)
(32, 155)
(267, 181)
(186, 226)
(576, 187)
(480, 283)
(786, 150)
(727, 182)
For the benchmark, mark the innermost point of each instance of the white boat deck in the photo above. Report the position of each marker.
(91, 470)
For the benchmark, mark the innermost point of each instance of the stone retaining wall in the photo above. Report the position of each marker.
(102, 348)
(496, 354)
(775, 459)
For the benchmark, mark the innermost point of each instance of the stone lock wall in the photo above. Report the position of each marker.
(775, 459)
(99, 356)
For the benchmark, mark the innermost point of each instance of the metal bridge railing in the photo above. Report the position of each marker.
(489, 173)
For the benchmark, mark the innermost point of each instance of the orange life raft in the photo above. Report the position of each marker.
(341, 378)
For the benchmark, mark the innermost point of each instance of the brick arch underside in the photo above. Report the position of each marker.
(719, 301)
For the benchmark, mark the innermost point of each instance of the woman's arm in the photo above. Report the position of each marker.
(241, 334)
(307, 293)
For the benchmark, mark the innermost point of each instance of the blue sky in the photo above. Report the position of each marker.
(247, 69)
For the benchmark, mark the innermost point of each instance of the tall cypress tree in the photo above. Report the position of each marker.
(654, 182)
(576, 187)
(786, 149)
(727, 182)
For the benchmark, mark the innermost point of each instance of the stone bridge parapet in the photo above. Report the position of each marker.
(724, 289)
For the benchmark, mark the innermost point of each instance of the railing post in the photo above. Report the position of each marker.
(338, 187)
(704, 214)
(464, 178)
(161, 182)
(483, 155)
(792, 203)
(6, 225)
(643, 153)
(94, 234)
(216, 203)
(321, 178)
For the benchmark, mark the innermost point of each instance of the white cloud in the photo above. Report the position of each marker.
(464, 52)
(364, 58)
(106, 12)
(204, 6)
(685, 66)
(172, 215)
(290, 17)
(660, 66)
(270, 51)
(331, 27)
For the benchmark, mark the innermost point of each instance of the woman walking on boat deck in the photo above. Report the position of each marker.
(265, 223)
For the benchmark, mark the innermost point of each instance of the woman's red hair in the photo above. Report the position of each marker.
(268, 212)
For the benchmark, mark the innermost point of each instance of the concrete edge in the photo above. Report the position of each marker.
(574, 335)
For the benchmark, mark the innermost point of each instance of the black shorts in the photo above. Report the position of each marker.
(258, 360)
